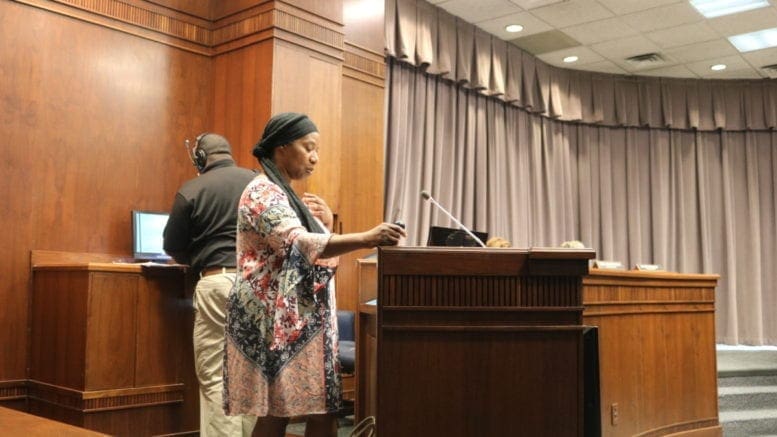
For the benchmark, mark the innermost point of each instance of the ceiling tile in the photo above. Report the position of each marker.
(603, 33)
(622, 7)
(532, 4)
(673, 71)
(744, 22)
(545, 42)
(602, 67)
(745, 73)
(530, 23)
(572, 12)
(584, 54)
(621, 49)
(760, 58)
(602, 30)
(733, 63)
(683, 35)
(663, 17)
(481, 10)
(700, 51)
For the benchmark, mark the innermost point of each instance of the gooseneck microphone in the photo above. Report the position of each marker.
(425, 194)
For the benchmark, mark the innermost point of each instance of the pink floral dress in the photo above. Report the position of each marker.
(281, 331)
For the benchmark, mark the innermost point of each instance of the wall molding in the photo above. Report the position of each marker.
(104, 400)
(151, 21)
(12, 390)
(364, 65)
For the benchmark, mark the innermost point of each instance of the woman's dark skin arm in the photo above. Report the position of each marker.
(385, 234)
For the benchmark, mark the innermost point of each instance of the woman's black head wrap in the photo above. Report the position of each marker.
(282, 129)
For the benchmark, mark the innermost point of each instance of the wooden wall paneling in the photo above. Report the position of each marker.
(361, 169)
(94, 121)
(139, 18)
(198, 8)
(330, 10)
(222, 9)
(364, 21)
(304, 81)
(243, 89)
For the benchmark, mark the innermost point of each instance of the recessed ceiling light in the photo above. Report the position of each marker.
(716, 8)
(748, 42)
(570, 59)
(718, 67)
(513, 28)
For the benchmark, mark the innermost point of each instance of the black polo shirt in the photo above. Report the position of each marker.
(201, 229)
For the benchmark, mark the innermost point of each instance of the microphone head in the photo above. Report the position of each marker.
(425, 194)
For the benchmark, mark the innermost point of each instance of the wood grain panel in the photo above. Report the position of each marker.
(364, 23)
(198, 8)
(434, 366)
(656, 351)
(161, 310)
(221, 9)
(304, 82)
(361, 175)
(18, 423)
(111, 331)
(58, 329)
(96, 119)
(243, 90)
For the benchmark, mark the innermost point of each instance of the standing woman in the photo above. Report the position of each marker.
(281, 331)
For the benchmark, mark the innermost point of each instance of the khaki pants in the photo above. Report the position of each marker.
(210, 300)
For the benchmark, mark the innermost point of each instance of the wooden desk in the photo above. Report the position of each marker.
(111, 347)
(17, 423)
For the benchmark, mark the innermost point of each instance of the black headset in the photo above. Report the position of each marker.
(198, 156)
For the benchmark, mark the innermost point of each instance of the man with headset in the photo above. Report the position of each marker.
(201, 232)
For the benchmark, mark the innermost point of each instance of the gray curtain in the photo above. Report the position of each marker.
(693, 201)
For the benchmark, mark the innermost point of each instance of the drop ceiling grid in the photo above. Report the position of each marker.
(611, 30)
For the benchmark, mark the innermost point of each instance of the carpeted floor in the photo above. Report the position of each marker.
(747, 390)
(746, 360)
(344, 427)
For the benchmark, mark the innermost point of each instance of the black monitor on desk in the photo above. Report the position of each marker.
(452, 237)
(147, 235)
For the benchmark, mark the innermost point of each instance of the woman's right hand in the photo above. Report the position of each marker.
(385, 234)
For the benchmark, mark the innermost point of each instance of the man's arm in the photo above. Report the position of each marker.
(177, 233)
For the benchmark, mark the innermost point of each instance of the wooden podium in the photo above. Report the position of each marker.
(479, 342)
(111, 345)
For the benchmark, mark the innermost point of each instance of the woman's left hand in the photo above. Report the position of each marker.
(319, 209)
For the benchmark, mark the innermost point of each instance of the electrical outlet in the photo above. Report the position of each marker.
(614, 414)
